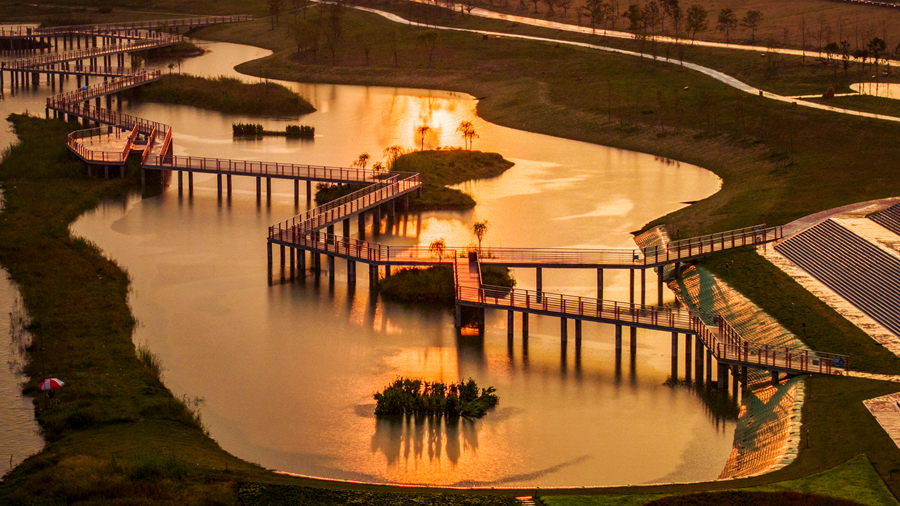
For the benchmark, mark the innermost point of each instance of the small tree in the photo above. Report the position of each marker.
(437, 248)
(361, 161)
(423, 131)
(751, 21)
(594, 11)
(467, 130)
(696, 21)
(480, 228)
(274, 11)
(845, 55)
(673, 10)
(565, 5)
(726, 22)
(429, 40)
(391, 153)
(876, 47)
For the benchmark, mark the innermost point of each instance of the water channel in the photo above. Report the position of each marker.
(287, 371)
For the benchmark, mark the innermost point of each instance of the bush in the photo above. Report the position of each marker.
(408, 396)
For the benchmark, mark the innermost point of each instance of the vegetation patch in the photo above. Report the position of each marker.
(434, 285)
(259, 494)
(743, 498)
(225, 94)
(417, 397)
(257, 130)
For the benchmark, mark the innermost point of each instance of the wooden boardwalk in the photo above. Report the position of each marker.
(112, 146)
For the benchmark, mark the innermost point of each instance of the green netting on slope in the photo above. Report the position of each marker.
(700, 290)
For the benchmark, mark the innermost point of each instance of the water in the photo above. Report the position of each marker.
(288, 371)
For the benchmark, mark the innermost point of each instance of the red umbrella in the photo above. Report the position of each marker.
(50, 384)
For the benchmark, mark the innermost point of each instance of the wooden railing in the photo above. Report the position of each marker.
(703, 245)
(81, 54)
(273, 169)
(88, 92)
(726, 344)
(105, 116)
(76, 144)
(149, 147)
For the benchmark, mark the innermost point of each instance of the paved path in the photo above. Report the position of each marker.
(715, 74)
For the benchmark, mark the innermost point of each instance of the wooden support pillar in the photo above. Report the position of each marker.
(698, 358)
(744, 378)
(578, 331)
(774, 377)
(674, 356)
(143, 178)
(346, 227)
(309, 191)
(709, 361)
(291, 264)
(722, 377)
(618, 338)
(268, 189)
(539, 279)
(688, 343)
(457, 316)
(351, 272)
(525, 325)
(296, 192)
(301, 260)
(219, 184)
(258, 189)
(387, 270)
(373, 275)
(510, 323)
(631, 286)
(190, 183)
(600, 283)
(643, 286)
(180, 181)
(735, 373)
(633, 332)
(282, 255)
(564, 329)
(269, 256)
(361, 224)
(331, 266)
(317, 263)
(659, 285)
(376, 221)
(228, 181)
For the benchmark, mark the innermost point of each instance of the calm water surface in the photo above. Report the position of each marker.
(287, 371)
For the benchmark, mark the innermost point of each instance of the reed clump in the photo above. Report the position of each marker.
(413, 396)
(257, 130)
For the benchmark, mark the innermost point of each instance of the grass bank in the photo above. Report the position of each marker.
(434, 285)
(227, 95)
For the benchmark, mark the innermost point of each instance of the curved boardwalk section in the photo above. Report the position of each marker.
(865, 275)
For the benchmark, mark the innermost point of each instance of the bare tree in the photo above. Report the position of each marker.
(423, 131)
(480, 229)
(274, 11)
(429, 40)
(550, 4)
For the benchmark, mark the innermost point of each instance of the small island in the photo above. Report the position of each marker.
(438, 169)
(434, 285)
(225, 94)
(413, 396)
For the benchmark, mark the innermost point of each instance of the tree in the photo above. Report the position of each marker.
(422, 131)
(274, 11)
(651, 16)
(429, 39)
(171, 66)
(136, 62)
(467, 130)
(480, 228)
(595, 12)
(876, 47)
(831, 49)
(845, 55)
(391, 154)
(565, 5)
(696, 21)
(726, 22)
(366, 39)
(635, 17)
(437, 248)
(673, 10)
(361, 161)
(550, 4)
(751, 21)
